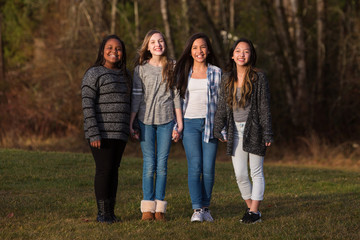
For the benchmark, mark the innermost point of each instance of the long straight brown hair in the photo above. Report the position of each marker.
(186, 61)
(250, 77)
(144, 55)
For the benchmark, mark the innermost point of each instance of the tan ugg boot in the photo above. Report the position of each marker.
(160, 210)
(148, 209)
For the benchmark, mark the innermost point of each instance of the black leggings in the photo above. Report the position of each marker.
(107, 160)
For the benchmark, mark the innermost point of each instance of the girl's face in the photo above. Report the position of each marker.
(199, 50)
(241, 54)
(112, 53)
(156, 45)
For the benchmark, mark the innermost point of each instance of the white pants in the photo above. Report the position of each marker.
(254, 191)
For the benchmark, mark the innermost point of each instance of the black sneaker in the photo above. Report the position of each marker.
(245, 216)
(253, 217)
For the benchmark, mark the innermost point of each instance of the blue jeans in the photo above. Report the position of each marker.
(201, 162)
(155, 141)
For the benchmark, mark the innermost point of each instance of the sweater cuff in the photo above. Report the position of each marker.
(95, 138)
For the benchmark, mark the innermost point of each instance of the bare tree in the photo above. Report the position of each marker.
(113, 16)
(232, 15)
(185, 10)
(137, 22)
(289, 33)
(165, 16)
(2, 69)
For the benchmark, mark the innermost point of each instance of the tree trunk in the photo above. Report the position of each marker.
(137, 23)
(165, 16)
(185, 10)
(2, 67)
(289, 35)
(232, 16)
(317, 97)
(300, 49)
(113, 16)
(214, 34)
(97, 16)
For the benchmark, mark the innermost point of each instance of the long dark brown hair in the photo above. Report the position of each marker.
(100, 60)
(250, 76)
(144, 55)
(186, 61)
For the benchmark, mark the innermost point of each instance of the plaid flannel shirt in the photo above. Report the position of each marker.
(214, 78)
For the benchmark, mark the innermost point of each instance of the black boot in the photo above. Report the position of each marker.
(112, 208)
(104, 211)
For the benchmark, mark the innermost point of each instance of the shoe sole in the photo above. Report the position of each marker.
(196, 221)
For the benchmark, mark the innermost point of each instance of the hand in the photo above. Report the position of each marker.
(268, 144)
(175, 136)
(96, 144)
(134, 134)
(222, 140)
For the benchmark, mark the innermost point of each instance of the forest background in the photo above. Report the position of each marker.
(310, 51)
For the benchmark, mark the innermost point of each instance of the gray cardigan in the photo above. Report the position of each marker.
(258, 128)
(106, 104)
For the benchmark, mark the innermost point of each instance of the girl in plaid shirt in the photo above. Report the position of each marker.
(198, 80)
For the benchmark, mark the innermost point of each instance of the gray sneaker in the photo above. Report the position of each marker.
(206, 215)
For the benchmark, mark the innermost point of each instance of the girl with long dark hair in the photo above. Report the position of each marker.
(198, 80)
(244, 111)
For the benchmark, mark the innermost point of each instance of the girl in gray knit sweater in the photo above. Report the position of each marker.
(155, 103)
(106, 89)
(244, 111)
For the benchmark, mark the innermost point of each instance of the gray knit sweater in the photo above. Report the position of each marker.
(258, 128)
(106, 104)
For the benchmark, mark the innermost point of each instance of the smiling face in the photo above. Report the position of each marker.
(112, 53)
(156, 45)
(242, 54)
(199, 50)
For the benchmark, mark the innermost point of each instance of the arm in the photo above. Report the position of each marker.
(264, 109)
(221, 114)
(179, 125)
(89, 91)
(134, 133)
(179, 118)
(137, 96)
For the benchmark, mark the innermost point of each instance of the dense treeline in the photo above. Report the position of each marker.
(309, 49)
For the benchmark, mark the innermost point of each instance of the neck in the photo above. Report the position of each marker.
(197, 67)
(110, 66)
(241, 70)
(156, 61)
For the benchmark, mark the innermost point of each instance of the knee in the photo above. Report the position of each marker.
(242, 178)
(194, 171)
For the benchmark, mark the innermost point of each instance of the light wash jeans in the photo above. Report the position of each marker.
(201, 162)
(155, 141)
(240, 159)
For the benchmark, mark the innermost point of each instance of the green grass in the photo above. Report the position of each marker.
(49, 195)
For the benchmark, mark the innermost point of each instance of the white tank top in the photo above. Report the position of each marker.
(198, 98)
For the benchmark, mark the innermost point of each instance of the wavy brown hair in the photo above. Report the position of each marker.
(144, 55)
(250, 77)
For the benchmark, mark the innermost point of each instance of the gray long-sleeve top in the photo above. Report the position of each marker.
(106, 104)
(153, 103)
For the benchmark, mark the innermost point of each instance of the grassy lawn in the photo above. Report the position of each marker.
(49, 195)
